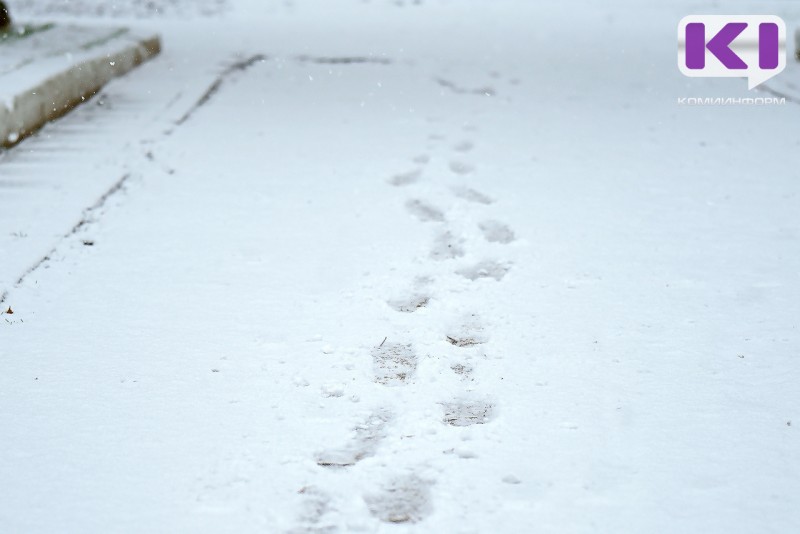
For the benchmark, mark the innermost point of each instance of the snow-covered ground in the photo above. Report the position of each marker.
(447, 266)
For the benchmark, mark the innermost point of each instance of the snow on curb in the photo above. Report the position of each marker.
(58, 94)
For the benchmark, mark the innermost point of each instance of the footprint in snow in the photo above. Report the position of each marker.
(464, 146)
(418, 298)
(411, 304)
(394, 364)
(424, 211)
(467, 412)
(405, 178)
(464, 370)
(485, 269)
(404, 499)
(422, 159)
(316, 503)
(447, 247)
(496, 232)
(459, 167)
(471, 195)
(363, 445)
(468, 333)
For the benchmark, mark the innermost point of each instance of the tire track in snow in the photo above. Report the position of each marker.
(90, 216)
(216, 85)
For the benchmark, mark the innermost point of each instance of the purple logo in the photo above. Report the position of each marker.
(725, 46)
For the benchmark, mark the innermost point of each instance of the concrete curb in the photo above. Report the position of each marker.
(59, 94)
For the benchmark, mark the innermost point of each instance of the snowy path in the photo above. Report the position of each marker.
(375, 268)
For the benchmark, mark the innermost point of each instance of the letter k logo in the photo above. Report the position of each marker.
(719, 45)
(738, 46)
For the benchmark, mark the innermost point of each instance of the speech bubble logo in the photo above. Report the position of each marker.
(732, 46)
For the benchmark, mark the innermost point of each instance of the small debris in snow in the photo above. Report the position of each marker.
(464, 341)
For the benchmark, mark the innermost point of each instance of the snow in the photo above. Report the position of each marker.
(28, 61)
(399, 267)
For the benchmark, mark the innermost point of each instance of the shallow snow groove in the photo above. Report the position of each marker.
(344, 60)
(482, 91)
